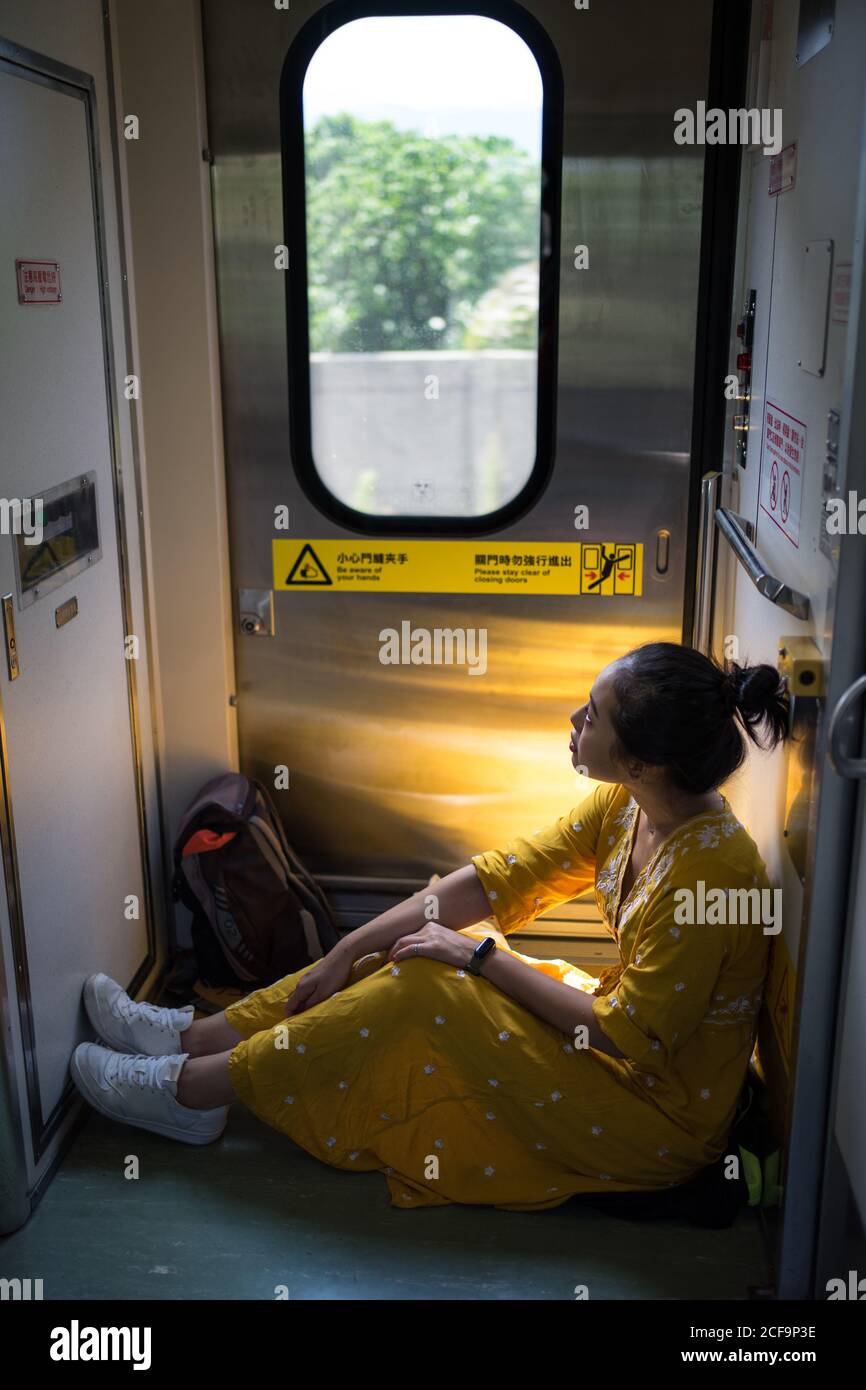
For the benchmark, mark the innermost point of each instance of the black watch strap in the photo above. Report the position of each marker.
(481, 952)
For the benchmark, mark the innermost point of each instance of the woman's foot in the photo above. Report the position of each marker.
(137, 1029)
(142, 1091)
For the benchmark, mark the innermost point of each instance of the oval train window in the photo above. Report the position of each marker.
(419, 278)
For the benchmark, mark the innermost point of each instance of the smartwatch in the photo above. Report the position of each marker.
(483, 949)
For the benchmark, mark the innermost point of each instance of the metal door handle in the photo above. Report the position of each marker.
(733, 528)
(845, 766)
(663, 550)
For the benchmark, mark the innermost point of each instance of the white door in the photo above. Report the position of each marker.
(73, 802)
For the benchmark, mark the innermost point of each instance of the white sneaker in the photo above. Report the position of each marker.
(139, 1029)
(142, 1091)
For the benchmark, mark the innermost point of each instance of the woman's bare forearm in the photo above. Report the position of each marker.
(456, 901)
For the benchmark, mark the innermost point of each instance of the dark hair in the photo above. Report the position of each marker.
(680, 710)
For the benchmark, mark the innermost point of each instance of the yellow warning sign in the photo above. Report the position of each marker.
(600, 569)
(308, 569)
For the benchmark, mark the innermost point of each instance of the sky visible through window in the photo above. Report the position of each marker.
(440, 74)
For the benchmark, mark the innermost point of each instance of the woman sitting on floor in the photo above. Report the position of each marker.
(499, 1078)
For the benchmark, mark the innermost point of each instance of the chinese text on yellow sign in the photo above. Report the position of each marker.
(605, 569)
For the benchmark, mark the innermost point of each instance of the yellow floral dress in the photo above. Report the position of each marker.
(458, 1093)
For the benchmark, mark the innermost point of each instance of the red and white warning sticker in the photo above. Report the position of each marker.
(38, 282)
(783, 460)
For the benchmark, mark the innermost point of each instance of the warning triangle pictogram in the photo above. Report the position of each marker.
(308, 569)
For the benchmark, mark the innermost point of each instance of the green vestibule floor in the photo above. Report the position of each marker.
(235, 1219)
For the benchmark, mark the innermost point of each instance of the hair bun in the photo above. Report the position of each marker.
(759, 694)
(754, 687)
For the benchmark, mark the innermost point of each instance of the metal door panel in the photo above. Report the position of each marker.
(395, 770)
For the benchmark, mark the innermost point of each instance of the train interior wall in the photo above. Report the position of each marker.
(780, 235)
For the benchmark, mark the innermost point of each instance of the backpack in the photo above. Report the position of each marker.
(258, 914)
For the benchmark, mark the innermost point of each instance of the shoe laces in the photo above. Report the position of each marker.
(153, 1014)
(146, 1072)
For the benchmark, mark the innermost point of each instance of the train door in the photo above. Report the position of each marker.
(75, 874)
(442, 498)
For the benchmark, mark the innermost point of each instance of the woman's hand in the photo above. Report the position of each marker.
(436, 942)
(328, 976)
